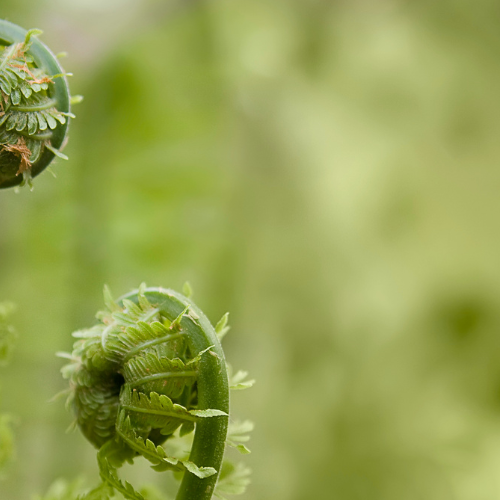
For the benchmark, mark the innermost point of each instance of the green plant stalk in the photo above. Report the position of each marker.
(213, 388)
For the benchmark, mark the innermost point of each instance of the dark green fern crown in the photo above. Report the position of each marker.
(34, 105)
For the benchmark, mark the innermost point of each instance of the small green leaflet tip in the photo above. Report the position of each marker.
(187, 290)
(242, 386)
(52, 173)
(237, 381)
(30, 34)
(201, 472)
(177, 321)
(243, 449)
(222, 323)
(109, 477)
(233, 480)
(56, 152)
(61, 75)
(238, 434)
(65, 355)
(108, 300)
(208, 413)
(222, 327)
(33, 32)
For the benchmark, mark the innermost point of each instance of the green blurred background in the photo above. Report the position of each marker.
(327, 171)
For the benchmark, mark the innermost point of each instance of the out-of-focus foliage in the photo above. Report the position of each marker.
(6, 442)
(63, 490)
(325, 170)
(7, 340)
(7, 332)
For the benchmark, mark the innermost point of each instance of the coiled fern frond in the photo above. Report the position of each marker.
(34, 105)
(151, 371)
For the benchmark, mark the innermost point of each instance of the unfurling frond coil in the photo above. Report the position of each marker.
(34, 105)
(153, 365)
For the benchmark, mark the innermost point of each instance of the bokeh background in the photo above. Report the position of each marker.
(327, 171)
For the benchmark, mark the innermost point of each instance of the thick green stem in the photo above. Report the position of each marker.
(213, 389)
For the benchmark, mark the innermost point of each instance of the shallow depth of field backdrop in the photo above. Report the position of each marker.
(329, 172)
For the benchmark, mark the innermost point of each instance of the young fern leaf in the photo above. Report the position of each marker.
(201, 472)
(187, 290)
(159, 411)
(110, 478)
(152, 365)
(233, 480)
(150, 492)
(238, 434)
(158, 374)
(123, 345)
(156, 454)
(237, 381)
(145, 447)
(175, 325)
(109, 302)
(101, 492)
(63, 490)
(208, 413)
(222, 327)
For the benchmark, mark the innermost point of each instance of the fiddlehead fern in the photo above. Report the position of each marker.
(34, 105)
(153, 366)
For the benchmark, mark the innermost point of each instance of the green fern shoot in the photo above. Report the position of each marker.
(144, 378)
